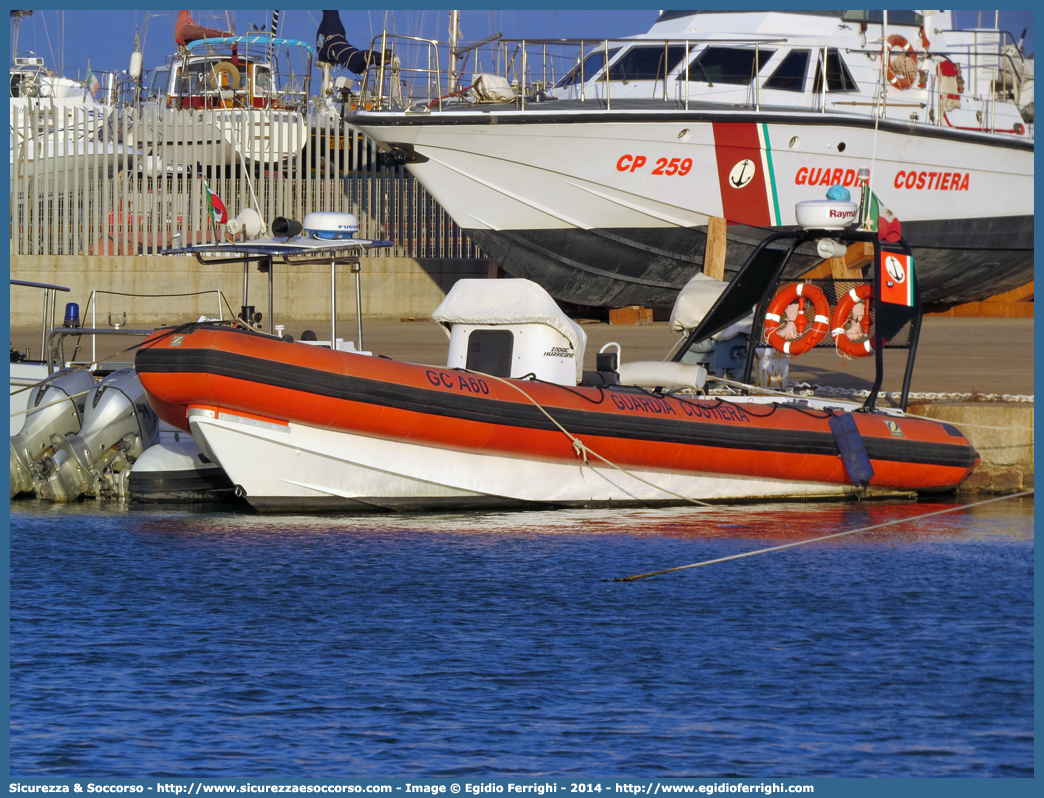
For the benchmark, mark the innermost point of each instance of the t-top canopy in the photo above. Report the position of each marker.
(280, 248)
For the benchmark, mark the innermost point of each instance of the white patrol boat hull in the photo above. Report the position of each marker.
(610, 208)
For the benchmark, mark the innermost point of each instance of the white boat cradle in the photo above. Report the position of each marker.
(599, 179)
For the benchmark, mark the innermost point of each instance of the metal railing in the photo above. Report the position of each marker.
(587, 71)
(50, 304)
(121, 324)
(135, 181)
(533, 67)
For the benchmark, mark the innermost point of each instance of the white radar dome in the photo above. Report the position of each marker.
(826, 214)
(326, 224)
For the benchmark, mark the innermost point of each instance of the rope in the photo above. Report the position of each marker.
(808, 389)
(772, 392)
(824, 537)
(457, 93)
(50, 404)
(580, 448)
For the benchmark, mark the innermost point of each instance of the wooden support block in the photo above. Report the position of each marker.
(820, 272)
(632, 314)
(714, 253)
(1016, 304)
(1023, 294)
(988, 310)
(495, 272)
(850, 267)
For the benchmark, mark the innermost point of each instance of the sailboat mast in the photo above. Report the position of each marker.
(16, 18)
(454, 33)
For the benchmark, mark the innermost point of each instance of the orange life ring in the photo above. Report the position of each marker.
(901, 78)
(839, 322)
(224, 75)
(797, 293)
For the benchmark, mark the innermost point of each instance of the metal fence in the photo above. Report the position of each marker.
(136, 181)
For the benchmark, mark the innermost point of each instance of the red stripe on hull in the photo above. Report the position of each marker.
(744, 199)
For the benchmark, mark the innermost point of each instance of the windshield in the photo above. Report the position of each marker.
(590, 67)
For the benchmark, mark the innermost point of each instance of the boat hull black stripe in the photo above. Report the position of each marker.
(525, 415)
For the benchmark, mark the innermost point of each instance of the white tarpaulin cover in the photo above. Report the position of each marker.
(489, 88)
(509, 301)
(694, 301)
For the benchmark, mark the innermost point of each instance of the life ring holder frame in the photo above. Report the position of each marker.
(758, 279)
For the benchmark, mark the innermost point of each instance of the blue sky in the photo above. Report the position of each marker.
(66, 40)
(107, 37)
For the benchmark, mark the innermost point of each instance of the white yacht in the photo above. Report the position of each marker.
(231, 99)
(596, 174)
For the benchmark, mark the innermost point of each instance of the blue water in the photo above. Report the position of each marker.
(173, 644)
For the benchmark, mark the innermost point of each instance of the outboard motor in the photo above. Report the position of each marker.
(41, 426)
(118, 426)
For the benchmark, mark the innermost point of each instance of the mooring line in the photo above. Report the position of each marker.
(581, 448)
(824, 537)
(49, 404)
(772, 392)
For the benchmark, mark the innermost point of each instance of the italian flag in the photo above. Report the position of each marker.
(882, 221)
(92, 83)
(217, 211)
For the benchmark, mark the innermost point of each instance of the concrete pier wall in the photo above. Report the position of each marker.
(391, 287)
(1001, 432)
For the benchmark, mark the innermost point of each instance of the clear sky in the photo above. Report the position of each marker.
(107, 37)
(66, 40)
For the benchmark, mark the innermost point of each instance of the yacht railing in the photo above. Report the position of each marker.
(390, 78)
(588, 70)
(533, 67)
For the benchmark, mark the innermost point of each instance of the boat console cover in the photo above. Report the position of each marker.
(511, 301)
